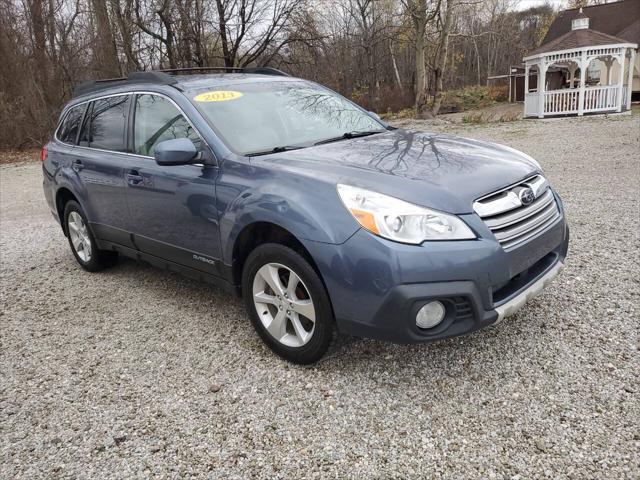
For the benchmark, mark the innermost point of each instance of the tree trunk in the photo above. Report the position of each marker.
(366, 18)
(229, 61)
(163, 13)
(420, 25)
(39, 37)
(125, 21)
(441, 57)
(395, 66)
(105, 55)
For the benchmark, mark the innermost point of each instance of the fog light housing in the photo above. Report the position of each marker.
(430, 314)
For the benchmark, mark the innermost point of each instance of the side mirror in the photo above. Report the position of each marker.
(179, 151)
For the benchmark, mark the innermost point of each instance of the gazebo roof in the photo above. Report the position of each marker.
(621, 18)
(576, 39)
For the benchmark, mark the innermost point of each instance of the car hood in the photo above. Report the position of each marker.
(440, 171)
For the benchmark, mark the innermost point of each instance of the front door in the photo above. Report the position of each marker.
(172, 208)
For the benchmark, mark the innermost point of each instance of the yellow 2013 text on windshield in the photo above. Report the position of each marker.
(218, 96)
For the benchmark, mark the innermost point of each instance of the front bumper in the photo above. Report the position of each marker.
(377, 286)
(532, 291)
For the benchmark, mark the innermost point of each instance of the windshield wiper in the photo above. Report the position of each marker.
(284, 148)
(348, 135)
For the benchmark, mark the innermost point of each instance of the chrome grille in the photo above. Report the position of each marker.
(513, 223)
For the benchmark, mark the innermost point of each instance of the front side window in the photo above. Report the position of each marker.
(106, 124)
(253, 117)
(156, 120)
(68, 132)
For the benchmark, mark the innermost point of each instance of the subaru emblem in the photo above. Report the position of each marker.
(526, 196)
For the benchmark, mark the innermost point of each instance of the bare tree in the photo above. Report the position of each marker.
(422, 12)
(123, 12)
(445, 21)
(385, 54)
(162, 30)
(105, 55)
(247, 28)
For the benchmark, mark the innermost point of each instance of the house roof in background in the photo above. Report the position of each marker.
(620, 19)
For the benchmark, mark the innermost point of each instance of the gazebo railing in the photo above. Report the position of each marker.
(561, 102)
(567, 101)
(598, 99)
(531, 107)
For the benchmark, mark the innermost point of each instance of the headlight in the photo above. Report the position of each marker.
(401, 221)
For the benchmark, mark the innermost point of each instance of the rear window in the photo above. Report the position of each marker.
(68, 131)
(105, 127)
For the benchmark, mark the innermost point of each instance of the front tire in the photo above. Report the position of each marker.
(82, 242)
(287, 303)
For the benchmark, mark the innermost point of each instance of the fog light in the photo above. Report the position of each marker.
(430, 315)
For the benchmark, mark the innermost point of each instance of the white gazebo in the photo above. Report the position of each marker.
(569, 73)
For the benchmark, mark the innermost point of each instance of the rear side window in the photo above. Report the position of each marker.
(68, 132)
(156, 120)
(83, 141)
(106, 124)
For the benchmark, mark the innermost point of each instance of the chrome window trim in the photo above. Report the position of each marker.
(121, 94)
(147, 157)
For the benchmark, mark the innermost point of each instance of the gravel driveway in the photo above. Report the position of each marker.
(136, 372)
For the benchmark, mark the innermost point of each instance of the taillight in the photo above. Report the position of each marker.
(43, 154)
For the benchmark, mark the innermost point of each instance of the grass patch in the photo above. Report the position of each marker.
(477, 118)
(473, 98)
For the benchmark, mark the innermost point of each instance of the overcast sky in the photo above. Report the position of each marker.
(558, 4)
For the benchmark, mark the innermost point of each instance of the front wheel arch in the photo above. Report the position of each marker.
(258, 233)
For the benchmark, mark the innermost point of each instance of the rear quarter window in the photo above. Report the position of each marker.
(68, 130)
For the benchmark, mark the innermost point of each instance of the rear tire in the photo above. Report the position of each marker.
(287, 303)
(82, 242)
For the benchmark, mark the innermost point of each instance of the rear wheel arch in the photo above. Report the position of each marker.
(63, 196)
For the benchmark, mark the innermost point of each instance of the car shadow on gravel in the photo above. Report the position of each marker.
(207, 304)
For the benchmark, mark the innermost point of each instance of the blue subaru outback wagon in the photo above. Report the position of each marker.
(320, 215)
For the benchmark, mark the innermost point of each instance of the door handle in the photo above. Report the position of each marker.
(77, 165)
(134, 178)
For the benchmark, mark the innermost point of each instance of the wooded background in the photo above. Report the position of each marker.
(384, 54)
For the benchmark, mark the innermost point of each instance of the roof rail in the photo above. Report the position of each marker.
(255, 70)
(156, 77)
(165, 77)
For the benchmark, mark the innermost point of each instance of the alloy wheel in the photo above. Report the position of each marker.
(79, 235)
(284, 305)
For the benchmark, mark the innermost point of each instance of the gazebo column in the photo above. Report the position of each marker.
(608, 61)
(632, 64)
(619, 99)
(526, 80)
(572, 74)
(583, 78)
(542, 80)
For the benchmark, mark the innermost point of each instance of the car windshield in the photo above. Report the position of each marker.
(265, 117)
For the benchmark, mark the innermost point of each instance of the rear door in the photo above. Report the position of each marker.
(173, 209)
(60, 150)
(100, 160)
